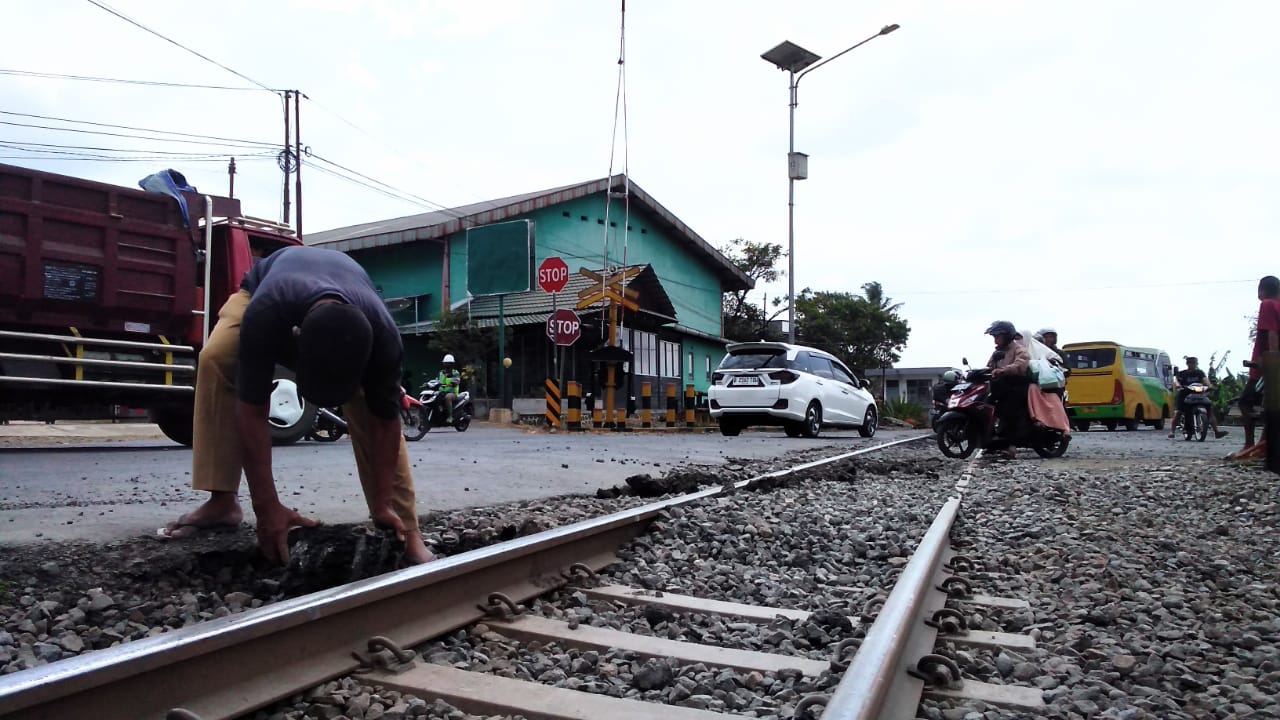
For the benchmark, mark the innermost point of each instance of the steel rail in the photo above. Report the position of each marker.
(231, 666)
(880, 684)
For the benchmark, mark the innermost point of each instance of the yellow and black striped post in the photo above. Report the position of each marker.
(688, 406)
(671, 405)
(574, 413)
(553, 404)
(597, 413)
(646, 404)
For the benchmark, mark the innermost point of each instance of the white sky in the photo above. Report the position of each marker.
(1097, 151)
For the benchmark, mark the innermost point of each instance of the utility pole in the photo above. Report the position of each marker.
(231, 173)
(297, 148)
(286, 159)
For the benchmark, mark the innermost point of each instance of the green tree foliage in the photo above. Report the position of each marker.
(864, 331)
(470, 346)
(1227, 386)
(744, 319)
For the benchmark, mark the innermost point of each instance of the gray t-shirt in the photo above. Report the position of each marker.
(282, 288)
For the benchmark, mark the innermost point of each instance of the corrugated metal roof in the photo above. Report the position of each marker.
(442, 223)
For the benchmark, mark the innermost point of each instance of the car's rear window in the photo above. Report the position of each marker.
(1091, 358)
(755, 360)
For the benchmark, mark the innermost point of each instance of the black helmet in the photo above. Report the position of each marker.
(1001, 327)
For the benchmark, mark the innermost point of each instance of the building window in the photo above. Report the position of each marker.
(670, 359)
(708, 367)
(646, 352)
(690, 366)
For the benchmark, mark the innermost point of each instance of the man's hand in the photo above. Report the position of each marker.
(384, 517)
(274, 521)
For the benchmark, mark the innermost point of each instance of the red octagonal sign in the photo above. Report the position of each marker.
(553, 275)
(564, 327)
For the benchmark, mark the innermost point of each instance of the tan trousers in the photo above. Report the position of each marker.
(217, 463)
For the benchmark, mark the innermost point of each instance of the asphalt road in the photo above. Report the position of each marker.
(102, 491)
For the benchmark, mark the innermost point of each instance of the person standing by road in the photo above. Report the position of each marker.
(316, 312)
(1266, 340)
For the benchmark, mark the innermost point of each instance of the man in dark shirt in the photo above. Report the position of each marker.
(314, 311)
(1185, 378)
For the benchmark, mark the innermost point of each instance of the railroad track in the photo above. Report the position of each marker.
(229, 667)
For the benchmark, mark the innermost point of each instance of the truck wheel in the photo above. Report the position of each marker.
(176, 422)
(289, 415)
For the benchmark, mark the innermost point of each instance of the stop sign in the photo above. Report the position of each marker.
(564, 327)
(553, 275)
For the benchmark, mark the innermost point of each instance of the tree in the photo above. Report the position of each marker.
(470, 346)
(862, 332)
(743, 319)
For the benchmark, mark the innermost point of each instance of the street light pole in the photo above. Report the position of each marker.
(799, 62)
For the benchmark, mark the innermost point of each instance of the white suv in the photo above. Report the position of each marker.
(800, 388)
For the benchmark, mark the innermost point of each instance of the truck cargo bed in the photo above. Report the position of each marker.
(100, 258)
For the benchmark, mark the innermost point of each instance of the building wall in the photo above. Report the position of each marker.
(575, 232)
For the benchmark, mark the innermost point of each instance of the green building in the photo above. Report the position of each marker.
(420, 266)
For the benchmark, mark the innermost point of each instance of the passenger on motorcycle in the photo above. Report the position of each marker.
(1193, 374)
(450, 380)
(1049, 337)
(1010, 375)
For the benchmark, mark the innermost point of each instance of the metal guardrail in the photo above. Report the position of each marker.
(99, 342)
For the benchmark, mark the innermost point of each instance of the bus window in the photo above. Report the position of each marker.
(1091, 358)
(1140, 364)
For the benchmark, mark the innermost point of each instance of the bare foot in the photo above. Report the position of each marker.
(221, 512)
(415, 550)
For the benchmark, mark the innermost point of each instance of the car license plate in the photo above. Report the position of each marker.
(746, 380)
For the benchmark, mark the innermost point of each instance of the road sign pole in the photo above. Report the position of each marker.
(503, 391)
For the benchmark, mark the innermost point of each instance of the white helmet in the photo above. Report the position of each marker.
(1045, 331)
(447, 359)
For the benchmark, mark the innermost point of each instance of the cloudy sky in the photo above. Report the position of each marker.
(1110, 169)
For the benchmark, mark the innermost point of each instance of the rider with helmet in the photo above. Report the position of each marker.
(1181, 380)
(1049, 338)
(1010, 375)
(450, 381)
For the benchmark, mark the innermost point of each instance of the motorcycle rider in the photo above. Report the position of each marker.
(450, 381)
(1193, 374)
(1010, 375)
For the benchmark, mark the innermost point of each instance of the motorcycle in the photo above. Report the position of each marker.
(413, 417)
(970, 423)
(431, 414)
(329, 425)
(1196, 407)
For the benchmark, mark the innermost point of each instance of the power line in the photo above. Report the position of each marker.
(424, 201)
(237, 144)
(1194, 283)
(124, 81)
(138, 156)
(138, 129)
(368, 186)
(171, 41)
(136, 151)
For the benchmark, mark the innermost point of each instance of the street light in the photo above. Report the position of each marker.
(800, 62)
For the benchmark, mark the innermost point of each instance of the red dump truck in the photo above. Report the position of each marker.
(108, 293)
